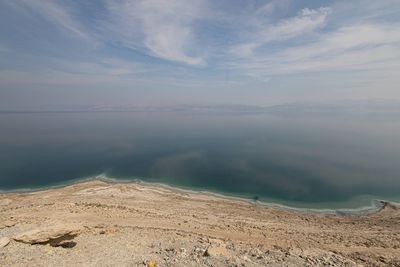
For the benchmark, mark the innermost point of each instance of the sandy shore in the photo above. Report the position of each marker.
(97, 223)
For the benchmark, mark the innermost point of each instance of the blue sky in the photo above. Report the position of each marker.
(197, 52)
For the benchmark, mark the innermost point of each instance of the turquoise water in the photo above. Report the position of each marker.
(305, 161)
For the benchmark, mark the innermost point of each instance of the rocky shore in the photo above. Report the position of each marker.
(97, 223)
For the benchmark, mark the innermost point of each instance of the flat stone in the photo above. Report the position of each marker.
(53, 235)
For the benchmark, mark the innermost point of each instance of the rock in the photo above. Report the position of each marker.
(255, 252)
(54, 235)
(245, 258)
(198, 250)
(4, 241)
(170, 249)
(182, 252)
(216, 251)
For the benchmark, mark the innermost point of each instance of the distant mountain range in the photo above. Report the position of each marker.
(342, 107)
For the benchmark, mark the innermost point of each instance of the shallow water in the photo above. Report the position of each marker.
(309, 161)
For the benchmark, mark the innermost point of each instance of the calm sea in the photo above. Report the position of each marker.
(307, 161)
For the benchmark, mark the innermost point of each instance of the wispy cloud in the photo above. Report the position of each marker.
(200, 43)
(357, 47)
(57, 14)
(163, 28)
(305, 23)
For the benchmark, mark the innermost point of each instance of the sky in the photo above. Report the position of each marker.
(168, 52)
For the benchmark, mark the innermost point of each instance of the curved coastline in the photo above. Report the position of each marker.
(133, 217)
(376, 205)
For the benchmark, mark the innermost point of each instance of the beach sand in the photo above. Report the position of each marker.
(98, 223)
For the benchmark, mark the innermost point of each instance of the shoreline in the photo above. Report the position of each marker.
(376, 205)
(127, 223)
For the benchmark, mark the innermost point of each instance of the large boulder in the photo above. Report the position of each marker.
(54, 235)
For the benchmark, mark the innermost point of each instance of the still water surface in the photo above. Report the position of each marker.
(305, 161)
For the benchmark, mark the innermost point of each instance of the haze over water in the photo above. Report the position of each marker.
(303, 160)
